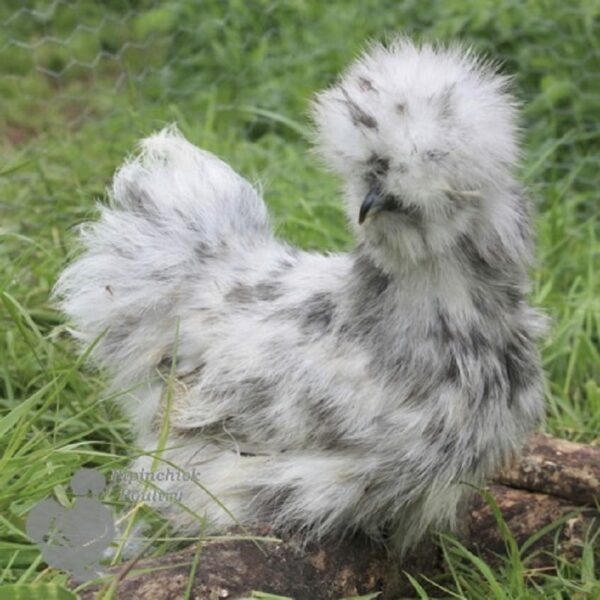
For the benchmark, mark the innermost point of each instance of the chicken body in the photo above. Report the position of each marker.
(327, 393)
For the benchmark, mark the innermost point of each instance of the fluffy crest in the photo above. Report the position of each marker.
(429, 126)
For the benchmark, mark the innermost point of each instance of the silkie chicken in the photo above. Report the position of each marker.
(326, 394)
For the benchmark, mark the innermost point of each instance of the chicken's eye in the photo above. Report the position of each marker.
(379, 166)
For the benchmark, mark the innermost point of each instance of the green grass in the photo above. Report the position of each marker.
(80, 82)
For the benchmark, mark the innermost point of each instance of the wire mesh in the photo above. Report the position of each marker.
(89, 69)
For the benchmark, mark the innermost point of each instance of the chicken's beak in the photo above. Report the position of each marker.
(372, 203)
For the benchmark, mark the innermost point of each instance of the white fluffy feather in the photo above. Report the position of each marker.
(338, 392)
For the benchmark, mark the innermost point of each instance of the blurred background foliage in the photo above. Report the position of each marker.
(81, 81)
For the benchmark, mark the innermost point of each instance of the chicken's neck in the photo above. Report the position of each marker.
(460, 286)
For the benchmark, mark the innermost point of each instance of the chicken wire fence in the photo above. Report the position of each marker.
(80, 69)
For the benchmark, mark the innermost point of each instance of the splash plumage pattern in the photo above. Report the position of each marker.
(340, 392)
